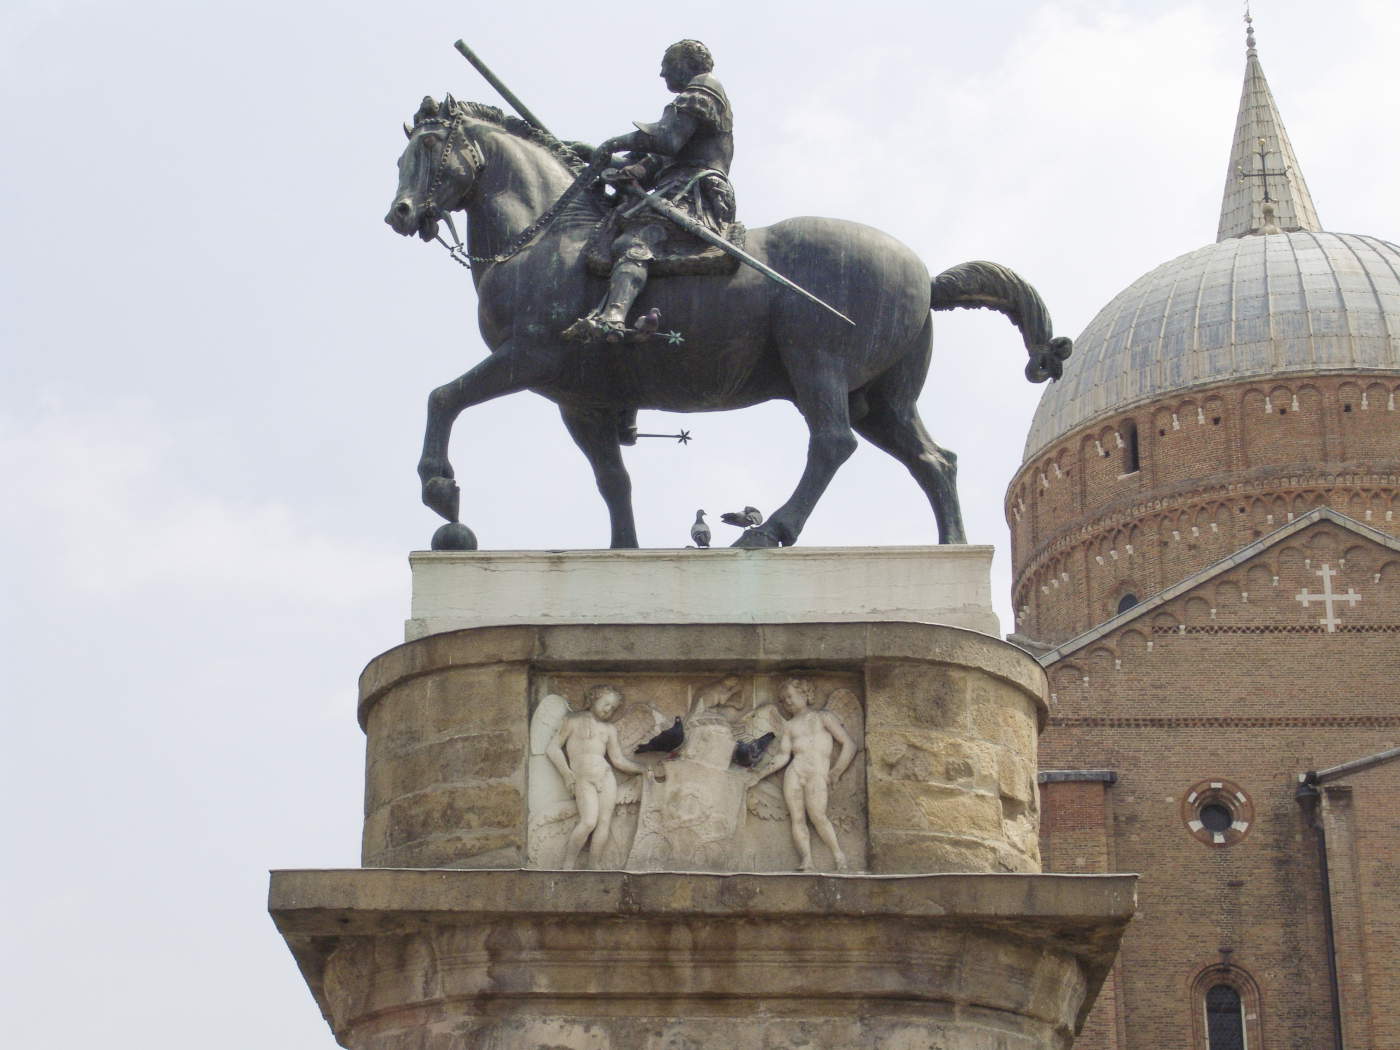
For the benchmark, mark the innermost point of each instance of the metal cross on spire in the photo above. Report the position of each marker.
(1263, 173)
(1282, 203)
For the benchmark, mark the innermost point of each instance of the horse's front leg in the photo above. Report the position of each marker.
(506, 371)
(821, 396)
(596, 433)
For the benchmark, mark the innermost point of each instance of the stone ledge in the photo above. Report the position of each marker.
(702, 648)
(1060, 776)
(1026, 953)
(363, 900)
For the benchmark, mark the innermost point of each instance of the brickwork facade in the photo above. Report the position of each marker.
(1361, 820)
(1248, 675)
(1130, 505)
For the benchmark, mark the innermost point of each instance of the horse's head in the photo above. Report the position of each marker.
(437, 170)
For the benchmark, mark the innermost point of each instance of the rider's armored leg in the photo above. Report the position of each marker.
(629, 277)
(634, 253)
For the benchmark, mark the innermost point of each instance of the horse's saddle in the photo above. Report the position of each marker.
(678, 255)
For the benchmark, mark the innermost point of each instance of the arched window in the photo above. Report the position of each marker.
(1127, 602)
(1225, 1009)
(1131, 462)
(1224, 1018)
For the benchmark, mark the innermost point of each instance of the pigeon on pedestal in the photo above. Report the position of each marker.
(700, 532)
(747, 518)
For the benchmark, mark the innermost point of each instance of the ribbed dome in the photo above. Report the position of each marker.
(1259, 305)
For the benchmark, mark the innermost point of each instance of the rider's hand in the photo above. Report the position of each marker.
(626, 174)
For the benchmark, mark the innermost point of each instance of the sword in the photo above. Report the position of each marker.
(692, 226)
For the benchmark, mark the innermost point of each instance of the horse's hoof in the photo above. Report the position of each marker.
(443, 496)
(454, 536)
(756, 539)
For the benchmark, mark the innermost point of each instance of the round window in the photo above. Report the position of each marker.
(1217, 812)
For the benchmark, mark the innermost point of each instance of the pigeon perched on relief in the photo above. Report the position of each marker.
(747, 518)
(748, 752)
(667, 741)
(700, 532)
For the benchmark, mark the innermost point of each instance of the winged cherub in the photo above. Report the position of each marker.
(804, 751)
(585, 750)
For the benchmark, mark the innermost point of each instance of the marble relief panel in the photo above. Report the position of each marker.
(658, 772)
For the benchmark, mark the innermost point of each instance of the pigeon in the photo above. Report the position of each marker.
(748, 752)
(748, 518)
(668, 740)
(648, 323)
(700, 532)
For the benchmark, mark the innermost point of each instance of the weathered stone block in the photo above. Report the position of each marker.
(911, 694)
(455, 760)
(912, 852)
(904, 806)
(1003, 716)
(926, 756)
(486, 848)
(448, 701)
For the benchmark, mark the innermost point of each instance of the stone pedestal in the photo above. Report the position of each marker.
(524, 960)
(904, 750)
(947, 585)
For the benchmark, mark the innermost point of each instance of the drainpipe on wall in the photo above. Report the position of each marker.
(1309, 796)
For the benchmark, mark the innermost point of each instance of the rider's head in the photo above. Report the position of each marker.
(683, 61)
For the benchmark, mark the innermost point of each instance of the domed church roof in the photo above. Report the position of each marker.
(1274, 295)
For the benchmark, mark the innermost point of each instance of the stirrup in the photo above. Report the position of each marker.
(592, 327)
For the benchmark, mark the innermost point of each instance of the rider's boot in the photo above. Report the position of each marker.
(609, 321)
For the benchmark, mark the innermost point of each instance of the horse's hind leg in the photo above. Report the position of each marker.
(596, 433)
(891, 422)
(819, 391)
(901, 433)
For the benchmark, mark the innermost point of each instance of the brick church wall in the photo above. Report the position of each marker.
(1216, 468)
(1235, 681)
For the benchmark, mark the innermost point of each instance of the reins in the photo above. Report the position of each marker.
(457, 250)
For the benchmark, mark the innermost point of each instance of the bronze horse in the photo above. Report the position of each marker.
(746, 340)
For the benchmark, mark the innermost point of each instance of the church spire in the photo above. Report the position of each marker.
(1264, 189)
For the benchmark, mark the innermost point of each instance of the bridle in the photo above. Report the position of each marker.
(476, 161)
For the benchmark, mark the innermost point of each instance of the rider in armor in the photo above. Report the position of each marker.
(684, 157)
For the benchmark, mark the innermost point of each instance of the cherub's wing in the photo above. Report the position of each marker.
(846, 707)
(550, 801)
(766, 801)
(547, 719)
(638, 723)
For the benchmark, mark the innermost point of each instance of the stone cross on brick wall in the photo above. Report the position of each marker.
(1328, 597)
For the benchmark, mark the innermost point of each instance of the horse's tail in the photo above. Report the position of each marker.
(994, 287)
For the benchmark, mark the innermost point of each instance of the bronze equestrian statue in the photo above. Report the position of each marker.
(535, 209)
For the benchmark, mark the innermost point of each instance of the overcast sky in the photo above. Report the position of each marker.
(216, 358)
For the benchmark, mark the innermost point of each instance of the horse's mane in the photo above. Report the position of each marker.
(521, 129)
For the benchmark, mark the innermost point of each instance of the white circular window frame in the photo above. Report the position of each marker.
(1222, 792)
